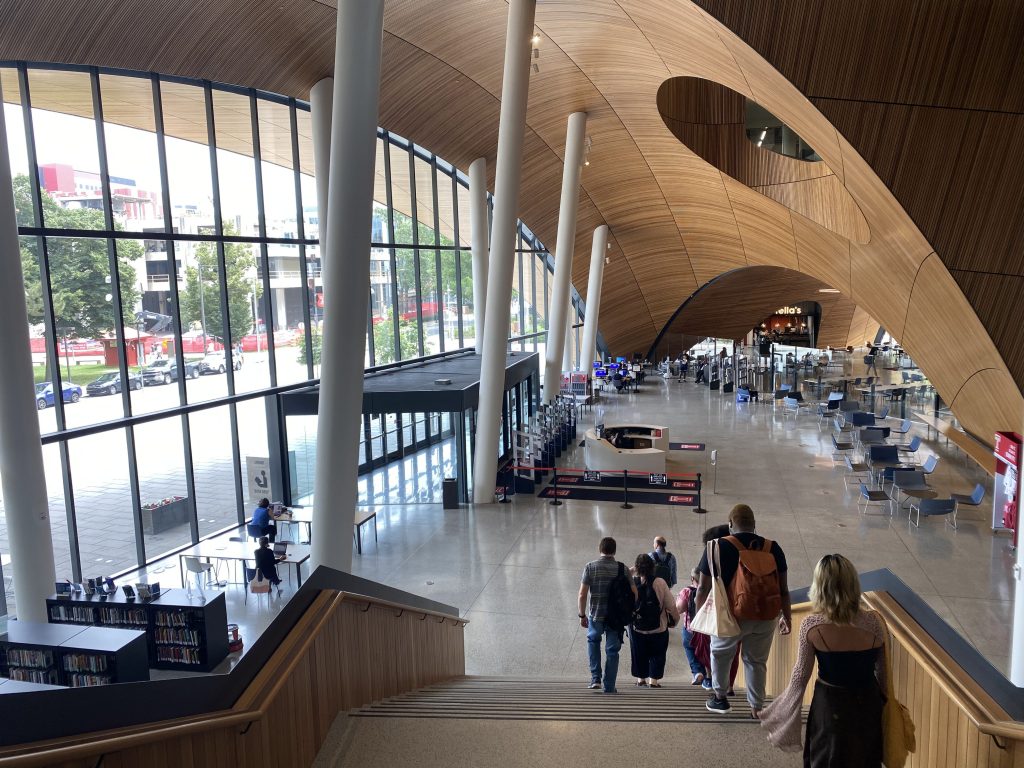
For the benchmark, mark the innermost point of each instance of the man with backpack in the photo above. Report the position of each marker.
(754, 571)
(612, 594)
(664, 562)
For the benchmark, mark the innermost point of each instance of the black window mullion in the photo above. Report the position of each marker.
(268, 303)
(115, 290)
(172, 271)
(393, 253)
(439, 299)
(414, 213)
(49, 321)
(301, 232)
(369, 330)
(218, 225)
(522, 298)
(458, 256)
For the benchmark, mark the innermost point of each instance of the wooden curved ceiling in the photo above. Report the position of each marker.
(710, 119)
(676, 221)
(754, 293)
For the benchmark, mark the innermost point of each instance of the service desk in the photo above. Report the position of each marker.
(650, 446)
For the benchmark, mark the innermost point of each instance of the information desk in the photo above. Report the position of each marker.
(632, 447)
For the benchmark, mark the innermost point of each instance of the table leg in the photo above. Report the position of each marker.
(298, 574)
(181, 569)
(359, 539)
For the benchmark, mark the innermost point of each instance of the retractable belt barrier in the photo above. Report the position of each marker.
(671, 489)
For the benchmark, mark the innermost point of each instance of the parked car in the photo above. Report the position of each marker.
(166, 371)
(72, 393)
(110, 384)
(216, 362)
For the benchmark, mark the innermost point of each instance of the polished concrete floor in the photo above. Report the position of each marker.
(514, 569)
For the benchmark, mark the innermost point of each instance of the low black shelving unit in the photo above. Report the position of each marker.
(73, 656)
(182, 632)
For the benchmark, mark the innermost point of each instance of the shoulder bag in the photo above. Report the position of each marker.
(898, 739)
(259, 585)
(714, 617)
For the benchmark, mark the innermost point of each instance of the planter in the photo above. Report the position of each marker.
(169, 513)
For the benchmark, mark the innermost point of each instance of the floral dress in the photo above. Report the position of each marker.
(844, 724)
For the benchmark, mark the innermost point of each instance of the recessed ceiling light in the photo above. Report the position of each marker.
(828, 290)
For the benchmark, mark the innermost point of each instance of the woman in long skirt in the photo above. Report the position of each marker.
(844, 726)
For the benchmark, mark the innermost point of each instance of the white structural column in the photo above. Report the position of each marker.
(558, 310)
(567, 356)
(321, 100)
(21, 453)
(346, 276)
(588, 345)
(479, 235)
(515, 88)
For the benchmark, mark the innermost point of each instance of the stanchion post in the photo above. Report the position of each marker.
(555, 501)
(699, 510)
(625, 490)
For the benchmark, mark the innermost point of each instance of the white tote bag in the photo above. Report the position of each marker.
(715, 617)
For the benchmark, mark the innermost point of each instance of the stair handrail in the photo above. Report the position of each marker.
(252, 706)
(983, 711)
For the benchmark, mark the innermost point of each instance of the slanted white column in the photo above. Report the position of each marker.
(479, 236)
(598, 250)
(558, 310)
(346, 276)
(514, 91)
(21, 453)
(321, 100)
(569, 353)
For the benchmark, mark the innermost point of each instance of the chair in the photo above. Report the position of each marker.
(198, 568)
(912, 448)
(855, 470)
(254, 531)
(929, 464)
(849, 406)
(862, 419)
(974, 500)
(911, 482)
(934, 508)
(791, 405)
(250, 574)
(883, 414)
(871, 496)
(742, 395)
(827, 409)
(903, 428)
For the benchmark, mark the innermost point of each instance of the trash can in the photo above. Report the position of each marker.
(449, 493)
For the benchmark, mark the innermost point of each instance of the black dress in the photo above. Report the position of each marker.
(844, 722)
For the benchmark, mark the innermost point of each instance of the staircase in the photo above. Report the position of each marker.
(529, 722)
(506, 698)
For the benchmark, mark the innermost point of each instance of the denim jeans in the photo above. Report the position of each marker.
(696, 668)
(613, 641)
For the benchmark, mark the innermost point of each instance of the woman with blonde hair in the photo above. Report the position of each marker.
(844, 726)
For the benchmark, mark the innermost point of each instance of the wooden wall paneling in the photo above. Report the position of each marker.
(821, 254)
(989, 401)
(996, 300)
(764, 227)
(824, 201)
(837, 312)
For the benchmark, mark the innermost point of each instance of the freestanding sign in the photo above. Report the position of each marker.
(258, 470)
(1006, 498)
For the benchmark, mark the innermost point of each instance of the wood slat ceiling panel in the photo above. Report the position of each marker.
(862, 328)
(837, 314)
(765, 227)
(825, 201)
(991, 295)
(822, 254)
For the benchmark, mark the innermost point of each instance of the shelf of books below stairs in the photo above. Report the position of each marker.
(167, 513)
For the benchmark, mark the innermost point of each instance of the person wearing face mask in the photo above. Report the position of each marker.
(753, 569)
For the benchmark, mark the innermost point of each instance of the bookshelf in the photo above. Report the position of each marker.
(182, 632)
(71, 655)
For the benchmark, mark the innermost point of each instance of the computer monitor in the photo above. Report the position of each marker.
(613, 366)
(601, 373)
(597, 364)
(620, 359)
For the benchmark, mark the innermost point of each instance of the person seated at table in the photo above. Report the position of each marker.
(264, 518)
(266, 563)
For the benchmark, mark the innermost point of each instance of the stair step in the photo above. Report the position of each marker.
(568, 700)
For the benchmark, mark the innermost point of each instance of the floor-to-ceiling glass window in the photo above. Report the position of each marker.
(169, 239)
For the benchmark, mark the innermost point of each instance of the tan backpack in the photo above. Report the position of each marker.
(754, 592)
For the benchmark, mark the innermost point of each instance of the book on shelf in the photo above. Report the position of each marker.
(45, 676)
(171, 619)
(178, 654)
(78, 614)
(85, 662)
(76, 680)
(167, 636)
(28, 658)
(127, 617)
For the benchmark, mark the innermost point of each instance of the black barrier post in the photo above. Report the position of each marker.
(699, 509)
(625, 490)
(555, 501)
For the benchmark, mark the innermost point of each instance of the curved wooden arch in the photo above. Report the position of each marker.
(676, 221)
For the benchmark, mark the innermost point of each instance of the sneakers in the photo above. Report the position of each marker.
(641, 683)
(706, 684)
(594, 685)
(698, 679)
(714, 704)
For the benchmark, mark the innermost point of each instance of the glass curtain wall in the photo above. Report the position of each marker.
(169, 243)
